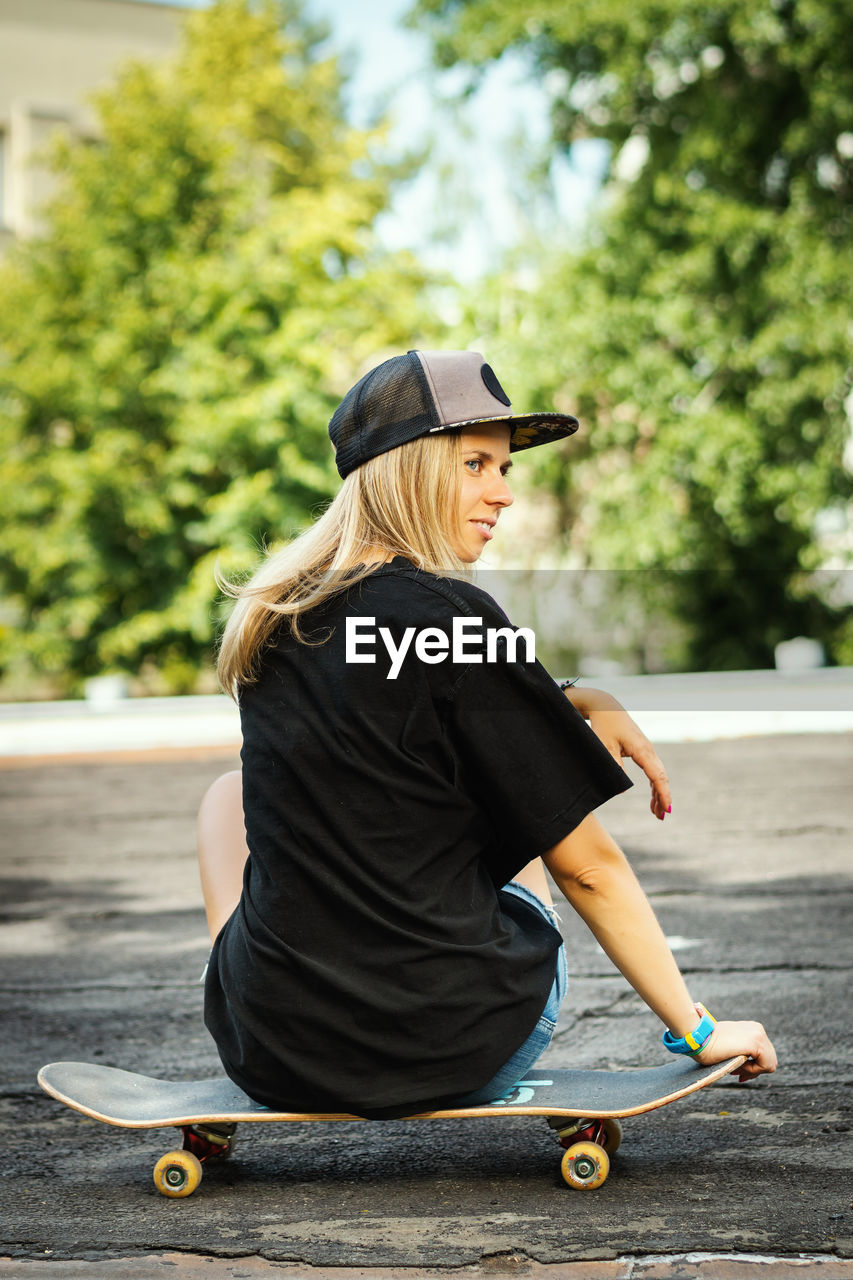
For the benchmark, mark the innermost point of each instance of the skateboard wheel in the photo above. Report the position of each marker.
(177, 1174)
(585, 1166)
(612, 1135)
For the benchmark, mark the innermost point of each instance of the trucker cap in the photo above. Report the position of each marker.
(426, 391)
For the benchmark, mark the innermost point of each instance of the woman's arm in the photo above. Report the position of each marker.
(623, 738)
(595, 876)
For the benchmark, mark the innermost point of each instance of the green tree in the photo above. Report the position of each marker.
(172, 344)
(702, 330)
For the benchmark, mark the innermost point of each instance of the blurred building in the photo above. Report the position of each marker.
(52, 54)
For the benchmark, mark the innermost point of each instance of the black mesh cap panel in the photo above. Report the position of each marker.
(389, 406)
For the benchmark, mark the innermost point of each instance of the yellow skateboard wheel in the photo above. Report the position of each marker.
(585, 1166)
(177, 1174)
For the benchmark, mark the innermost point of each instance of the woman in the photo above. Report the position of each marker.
(408, 768)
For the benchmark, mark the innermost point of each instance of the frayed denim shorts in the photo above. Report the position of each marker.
(516, 1067)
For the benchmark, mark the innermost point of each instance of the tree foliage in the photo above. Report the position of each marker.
(702, 332)
(172, 344)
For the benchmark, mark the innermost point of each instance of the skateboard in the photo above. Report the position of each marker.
(583, 1107)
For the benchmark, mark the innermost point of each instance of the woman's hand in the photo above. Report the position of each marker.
(624, 738)
(729, 1039)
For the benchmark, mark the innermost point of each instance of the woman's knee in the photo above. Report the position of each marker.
(221, 809)
(223, 792)
(222, 848)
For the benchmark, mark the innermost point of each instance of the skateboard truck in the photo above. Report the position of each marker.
(589, 1144)
(209, 1141)
(178, 1173)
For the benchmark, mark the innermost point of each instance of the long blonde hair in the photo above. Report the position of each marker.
(403, 502)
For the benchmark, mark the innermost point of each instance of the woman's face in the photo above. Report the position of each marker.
(484, 492)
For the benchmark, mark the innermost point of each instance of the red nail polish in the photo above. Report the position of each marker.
(669, 809)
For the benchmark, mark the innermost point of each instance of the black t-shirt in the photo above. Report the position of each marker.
(373, 964)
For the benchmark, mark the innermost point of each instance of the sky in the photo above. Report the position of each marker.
(473, 199)
(483, 204)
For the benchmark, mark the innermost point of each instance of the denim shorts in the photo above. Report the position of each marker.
(516, 1067)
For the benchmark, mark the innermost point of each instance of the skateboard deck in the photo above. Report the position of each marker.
(584, 1107)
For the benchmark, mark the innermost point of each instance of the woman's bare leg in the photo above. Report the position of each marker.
(222, 848)
(533, 877)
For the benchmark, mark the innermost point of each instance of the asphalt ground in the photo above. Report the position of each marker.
(103, 940)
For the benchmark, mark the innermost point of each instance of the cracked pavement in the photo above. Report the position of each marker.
(103, 940)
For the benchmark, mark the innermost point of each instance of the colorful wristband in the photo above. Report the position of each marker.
(696, 1040)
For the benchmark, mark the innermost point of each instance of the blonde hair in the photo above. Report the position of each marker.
(403, 502)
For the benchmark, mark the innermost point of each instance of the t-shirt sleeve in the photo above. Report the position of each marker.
(530, 759)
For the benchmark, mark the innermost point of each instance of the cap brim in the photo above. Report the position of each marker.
(526, 429)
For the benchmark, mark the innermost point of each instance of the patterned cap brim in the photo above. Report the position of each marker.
(526, 429)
